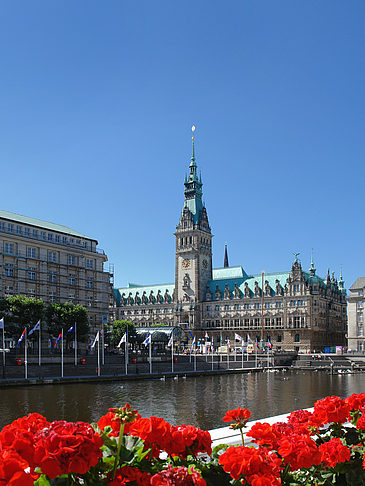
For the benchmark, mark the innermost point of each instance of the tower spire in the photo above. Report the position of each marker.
(193, 148)
(312, 270)
(226, 264)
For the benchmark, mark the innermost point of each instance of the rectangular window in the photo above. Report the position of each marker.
(27, 231)
(89, 283)
(31, 273)
(71, 279)
(296, 322)
(267, 305)
(279, 338)
(278, 322)
(226, 307)
(89, 300)
(52, 277)
(51, 297)
(247, 323)
(257, 322)
(278, 305)
(217, 307)
(52, 256)
(31, 252)
(257, 306)
(57, 238)
(35, 233)
(19, 230)
(360, 317)
(2, 226)
(43, 235)
(50, 237)
(10, 228)
(64, 240)
(89, 263)
(71, 259)
(236, 306)
(360, 304)
(247, 306)
(9, 270)
(9, 248)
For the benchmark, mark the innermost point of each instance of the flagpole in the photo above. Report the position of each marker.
(62, 353)
(26, 355)
(150, 349)
(3, 343)
(172, 351)
(242, 353)
(39, 344)
(75, 344)
(126, 351)
(98, 354)
(228, 356)
(102, 343)
(256, 355)
(194, 357)
(212, 349)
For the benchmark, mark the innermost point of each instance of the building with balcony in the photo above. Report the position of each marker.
(355, 302)
(294, 310)
(54, 263)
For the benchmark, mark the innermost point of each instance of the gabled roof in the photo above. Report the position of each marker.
(243, 278)
(359, 284)
(41, 224)
(133, 289)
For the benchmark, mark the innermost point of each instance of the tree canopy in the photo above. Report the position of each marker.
(118, 328)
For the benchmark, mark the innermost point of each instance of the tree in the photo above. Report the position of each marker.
(64, 316)
(118, 329)
(21, 311)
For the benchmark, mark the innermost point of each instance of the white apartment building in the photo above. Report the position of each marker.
(54, 263)
(355, 301)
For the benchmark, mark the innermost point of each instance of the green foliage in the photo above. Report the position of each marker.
(64, 316)
(118, 328)
(21, 311)
(161, 324)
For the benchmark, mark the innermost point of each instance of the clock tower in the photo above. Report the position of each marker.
(193, 254)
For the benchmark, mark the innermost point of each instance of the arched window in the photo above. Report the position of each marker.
(297, 338)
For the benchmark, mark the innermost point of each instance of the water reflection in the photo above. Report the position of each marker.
(201, 401)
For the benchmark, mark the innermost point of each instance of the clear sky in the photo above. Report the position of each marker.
(97, 100)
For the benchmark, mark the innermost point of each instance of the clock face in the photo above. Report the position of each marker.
(205, 264)
(186, 263)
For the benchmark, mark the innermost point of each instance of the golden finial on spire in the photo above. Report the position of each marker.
(193, 130)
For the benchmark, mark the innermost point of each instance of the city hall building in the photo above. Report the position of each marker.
(294, 310)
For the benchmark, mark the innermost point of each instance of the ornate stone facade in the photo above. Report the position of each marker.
(294, 310)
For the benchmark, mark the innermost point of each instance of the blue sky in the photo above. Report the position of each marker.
(96, 104)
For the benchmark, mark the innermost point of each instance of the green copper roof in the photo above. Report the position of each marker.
(41, 224)
(228, 272)
(133, 290)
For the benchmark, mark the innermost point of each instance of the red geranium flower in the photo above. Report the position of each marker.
(19, 435)
(114, 418)
(299, 451)
(256, 466)
(333, 452)
(239, 416)
(178, 476)
(66, 447)
(128, 474)
(12, 470)
(194, 440)
(330, 409)
(154, 431)
(264, 434)
(356, 401)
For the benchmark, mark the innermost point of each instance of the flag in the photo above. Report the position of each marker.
(192, 337)
(249, 340)
(257, 344)
(170, 343)
(37, 327)
(192, 344)
(148, 339)
(58, 340)
(96, 340)
(206, 336)
(238, 337)
(2, 323)
(21, 338)
(269, 343)
(123, 340)
(72, 329)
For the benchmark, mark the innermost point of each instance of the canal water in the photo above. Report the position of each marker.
(200, 401)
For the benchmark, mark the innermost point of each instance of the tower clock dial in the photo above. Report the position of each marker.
(186, 263)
